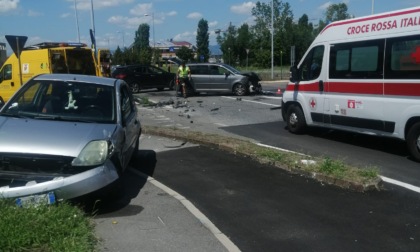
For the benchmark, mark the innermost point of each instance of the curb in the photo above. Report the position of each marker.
(223, 239)
(231, 145)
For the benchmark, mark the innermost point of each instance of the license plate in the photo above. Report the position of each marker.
(36, 200)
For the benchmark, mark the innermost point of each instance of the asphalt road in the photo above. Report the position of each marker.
(258, 118)
(262, 208)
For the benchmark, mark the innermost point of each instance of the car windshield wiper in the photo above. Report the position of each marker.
(16, 115)
(62, 118)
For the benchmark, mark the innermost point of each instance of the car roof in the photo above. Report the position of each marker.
(207, 64)
(78, 78)
(134, 65)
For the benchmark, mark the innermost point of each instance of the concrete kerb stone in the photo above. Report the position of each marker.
(200, 138)
(223, 239)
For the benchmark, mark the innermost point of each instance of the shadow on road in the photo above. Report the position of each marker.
(116, 198)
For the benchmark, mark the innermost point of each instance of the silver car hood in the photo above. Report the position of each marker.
(48, 137)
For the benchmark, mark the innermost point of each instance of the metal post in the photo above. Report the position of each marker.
(247, 52)
(77, 21)
(373, 5)
(272, 39)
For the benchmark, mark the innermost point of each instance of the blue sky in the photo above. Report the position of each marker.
(116, 21)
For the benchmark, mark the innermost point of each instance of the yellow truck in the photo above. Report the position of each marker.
(50, 57)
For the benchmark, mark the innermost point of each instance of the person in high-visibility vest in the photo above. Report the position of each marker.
(183, 76)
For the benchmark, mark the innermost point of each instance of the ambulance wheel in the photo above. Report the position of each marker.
(296, 122)
(413, 141)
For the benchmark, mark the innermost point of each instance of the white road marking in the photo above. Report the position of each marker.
(280, 149)
(385, 179)
(226, 242)
(402, 184)
(221, 124)
(244, 100)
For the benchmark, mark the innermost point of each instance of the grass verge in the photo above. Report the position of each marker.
(60, 227)
(323, 169)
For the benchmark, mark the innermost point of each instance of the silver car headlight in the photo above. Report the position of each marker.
(94, 153)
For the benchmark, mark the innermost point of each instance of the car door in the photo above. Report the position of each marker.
(157, 77)
(141, 76)
(220, 78)
(200, 77)
(130, 123)
(312, 77)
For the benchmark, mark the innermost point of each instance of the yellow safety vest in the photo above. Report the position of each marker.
(183, 72)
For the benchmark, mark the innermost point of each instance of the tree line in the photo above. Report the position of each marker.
(246, 44)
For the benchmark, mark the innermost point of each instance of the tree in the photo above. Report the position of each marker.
(185, 54)
(334, 12)
(202, 40)
(228, 45)
(303, 36)
(118, 57)
(282, 27)
(141, 39)
(141, 51)
(243, 43)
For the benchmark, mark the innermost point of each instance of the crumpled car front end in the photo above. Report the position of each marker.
(65, 159)
(254, 80)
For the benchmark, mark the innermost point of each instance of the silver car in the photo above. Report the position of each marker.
(218, 77)
(65, 135)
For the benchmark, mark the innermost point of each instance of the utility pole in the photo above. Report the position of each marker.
(77, 21)
(272, 39)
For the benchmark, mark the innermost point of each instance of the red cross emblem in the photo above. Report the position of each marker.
(312, 103)
(416, 55)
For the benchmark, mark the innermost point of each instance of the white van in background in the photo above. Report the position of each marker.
(361, 75)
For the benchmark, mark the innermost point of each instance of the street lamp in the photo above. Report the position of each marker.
(153, 22)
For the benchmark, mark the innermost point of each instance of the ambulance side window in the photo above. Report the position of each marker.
(357, 60)
(312, 65)
(403, 58)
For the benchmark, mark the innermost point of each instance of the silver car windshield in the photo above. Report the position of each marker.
(232, 69)
(63, 100)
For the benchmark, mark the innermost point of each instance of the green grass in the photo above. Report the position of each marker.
(60, 227)
(144, 101)
(366, 178)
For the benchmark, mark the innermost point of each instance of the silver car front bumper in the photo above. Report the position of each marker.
(66, 187)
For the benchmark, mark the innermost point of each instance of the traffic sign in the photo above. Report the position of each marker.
(16, 43)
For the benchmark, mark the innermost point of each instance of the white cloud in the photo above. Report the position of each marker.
(141, 9)
(213, 24)
(244, 8)
(172, 13)
(32, 13)
(194, 15)
(66, 15)
(98, 4)
(325, 6)
(185, 36)
(8, 5)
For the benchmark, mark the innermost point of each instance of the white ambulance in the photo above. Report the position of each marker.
(361, 75)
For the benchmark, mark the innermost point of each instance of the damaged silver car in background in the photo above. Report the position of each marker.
(64, 136)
